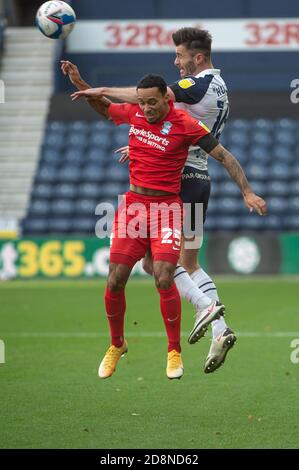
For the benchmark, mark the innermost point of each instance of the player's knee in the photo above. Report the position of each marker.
(163, 273)
(147, 266)
(163, 283)
(116, 281)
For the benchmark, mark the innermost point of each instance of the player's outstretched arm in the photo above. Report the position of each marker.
(234, 169)
(100, 105)
(70, 69)
(127, 95)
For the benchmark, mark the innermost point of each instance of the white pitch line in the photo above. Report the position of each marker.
(143, 334)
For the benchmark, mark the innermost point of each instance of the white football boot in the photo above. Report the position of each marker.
(203, 319)
(219, 349)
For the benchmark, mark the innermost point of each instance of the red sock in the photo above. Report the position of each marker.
(115, 307)
(170, 303)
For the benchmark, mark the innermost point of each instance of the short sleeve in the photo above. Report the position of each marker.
(120, 113)
(196, 130)
(191, 90)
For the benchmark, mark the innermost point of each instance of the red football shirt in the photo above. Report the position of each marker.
(158, 151)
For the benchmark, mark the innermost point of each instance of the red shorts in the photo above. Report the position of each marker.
(143, 222)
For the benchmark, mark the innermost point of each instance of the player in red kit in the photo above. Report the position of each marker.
(159, 138)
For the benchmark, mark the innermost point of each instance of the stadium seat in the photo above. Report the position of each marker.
(84, 225)
(90, 190)
(101, 140)
(46, 174)
(282, 154)
(256, 171)
(277, 205)
(291, 222)
(252, 222)
(57, 126)
(39, 207)
(56, 225)
(79, 140)
(262, 124)
(85, 206)
(93, 173)
(238, 124)
(210, 223)
(238, 137)
(260, 153)
(285, 124)
(228, 222)
(78, 127)
(230, 205)
(273, 222)
(101, 126)
(69, 174)
(41, 191)
(261, 137)
(97, 155)
(240, 153)
(278, 188)
(120, 139)
(74, 156)
(112, 190)
(285, 137)
(65, 191)
(32, 226)
(51, 156)
(55, 140)
(213, 206)
(258, 187)
(118, 173)
(62, 207)
(293, 188)
(279, 171)
(293, 204)
(216, 172)
(229, 189)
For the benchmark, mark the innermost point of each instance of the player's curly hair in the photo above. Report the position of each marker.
(194, 39)
(151, 81)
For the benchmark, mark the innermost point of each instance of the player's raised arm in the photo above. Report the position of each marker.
(234, 169)
(211, 145)
(100, 105)
(70, 69)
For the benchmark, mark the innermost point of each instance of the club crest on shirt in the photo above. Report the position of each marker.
(166, 127)
(186, 83)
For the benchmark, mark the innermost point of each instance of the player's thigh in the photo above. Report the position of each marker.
(147, 262)
(195, 191)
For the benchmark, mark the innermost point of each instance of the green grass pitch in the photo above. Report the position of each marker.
(55, 334)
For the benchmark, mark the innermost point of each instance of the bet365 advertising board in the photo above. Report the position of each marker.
(76, 258)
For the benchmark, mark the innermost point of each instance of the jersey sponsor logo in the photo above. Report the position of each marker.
(204, 126)
(186, 83)
(166, 127)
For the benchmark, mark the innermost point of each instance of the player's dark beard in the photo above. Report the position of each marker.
(190, 68)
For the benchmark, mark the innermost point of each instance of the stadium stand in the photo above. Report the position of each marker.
(66, 164)
(78, 170)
